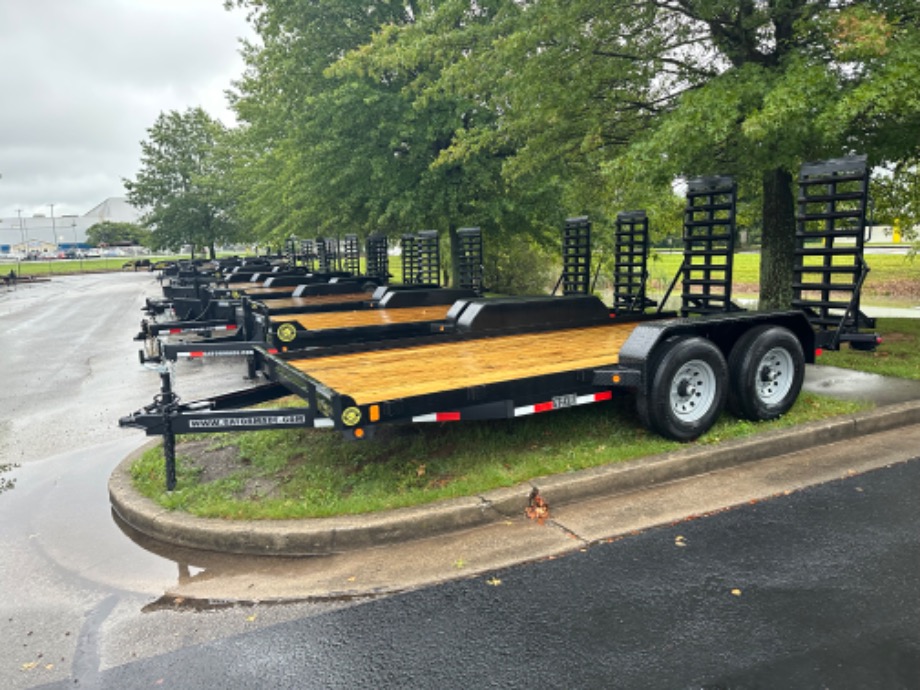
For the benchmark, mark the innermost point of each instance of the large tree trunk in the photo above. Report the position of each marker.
(778, 245)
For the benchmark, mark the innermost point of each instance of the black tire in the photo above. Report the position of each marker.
(766, 368)
(687, 390)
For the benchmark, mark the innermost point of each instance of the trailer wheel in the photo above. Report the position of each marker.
(688, 389)
(767, 367)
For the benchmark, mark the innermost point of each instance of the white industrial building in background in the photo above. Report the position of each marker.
(41, 234)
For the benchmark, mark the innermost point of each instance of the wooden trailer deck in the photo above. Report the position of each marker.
(380, 375)
(364, 317)
(256, 289)
(312, 300)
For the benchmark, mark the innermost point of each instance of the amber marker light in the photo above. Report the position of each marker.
(359, 433)
(373, 413)
(616, 378)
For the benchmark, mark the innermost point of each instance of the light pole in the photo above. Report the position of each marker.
(53, 228)
(22, 231)
(77, 251)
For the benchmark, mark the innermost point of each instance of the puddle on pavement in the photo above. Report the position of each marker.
(207, 580)
(858, 385)
(60, 509)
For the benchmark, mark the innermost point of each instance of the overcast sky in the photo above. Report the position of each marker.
(81, 81)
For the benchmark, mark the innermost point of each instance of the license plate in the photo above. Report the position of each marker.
(560, 401)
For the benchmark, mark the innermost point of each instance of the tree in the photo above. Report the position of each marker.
(310, 158)
(109, 233)
(511, 114)
(624, 97)
(361, 140)
(182, 184)
(796, 80)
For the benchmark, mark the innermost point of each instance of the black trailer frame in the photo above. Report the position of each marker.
(635, 368)
(252, 321)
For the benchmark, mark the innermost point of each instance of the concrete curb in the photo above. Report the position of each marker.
(325, 536)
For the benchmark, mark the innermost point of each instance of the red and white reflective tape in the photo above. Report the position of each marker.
(438, 417)
(526, 409)
(552, 405)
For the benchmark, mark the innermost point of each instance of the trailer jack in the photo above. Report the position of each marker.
(157, 419)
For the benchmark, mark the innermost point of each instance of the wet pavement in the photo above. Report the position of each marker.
(860, 386)
(70, 370)
(815, 589)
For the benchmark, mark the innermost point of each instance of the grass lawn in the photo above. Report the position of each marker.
(893, 279)
(897, 356)
(58, 267)
(314, 473)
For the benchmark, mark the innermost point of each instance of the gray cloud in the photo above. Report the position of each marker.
(82, 81)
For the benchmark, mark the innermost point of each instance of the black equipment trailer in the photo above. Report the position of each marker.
(391, 312)
(505, 358)
(210, 303)
(332, 313)
(222, 308)
(194, 293)
(510, 359)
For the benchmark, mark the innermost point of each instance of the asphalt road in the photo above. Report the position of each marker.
(817, 589)
(84, 606)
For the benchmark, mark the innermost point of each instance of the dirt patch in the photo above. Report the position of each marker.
(211, 464)
(906, 289)
(901, 288)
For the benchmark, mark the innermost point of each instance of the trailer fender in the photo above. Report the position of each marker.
(724, 330)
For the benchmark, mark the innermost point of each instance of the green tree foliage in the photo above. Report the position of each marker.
(360, 144)
(624, 97)
(512, 114)
(897, 200)
(109, 233)
(183, 183)
(897, 195)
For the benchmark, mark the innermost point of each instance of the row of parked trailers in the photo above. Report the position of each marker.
(470, 357)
